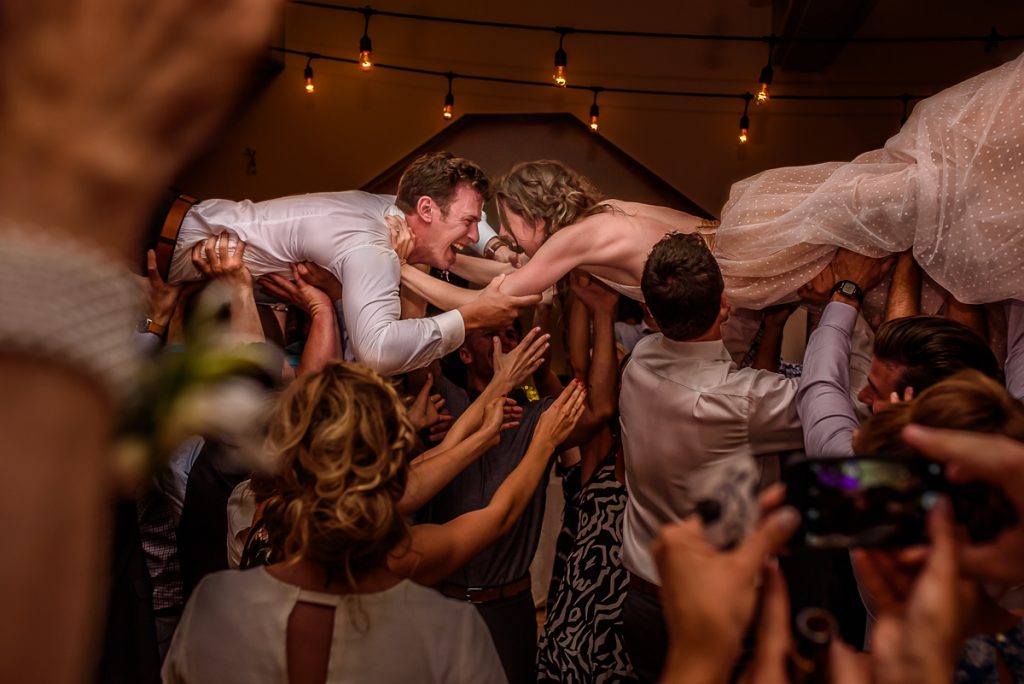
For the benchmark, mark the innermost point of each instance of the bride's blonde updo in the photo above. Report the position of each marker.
(549, 191)
(340, 438)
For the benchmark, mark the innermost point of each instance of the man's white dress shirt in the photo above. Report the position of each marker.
(344, 232)
(691, 426)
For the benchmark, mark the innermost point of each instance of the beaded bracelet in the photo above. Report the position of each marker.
(70, 303)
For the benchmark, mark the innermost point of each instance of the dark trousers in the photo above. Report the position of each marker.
(512, 622)
(643, 628)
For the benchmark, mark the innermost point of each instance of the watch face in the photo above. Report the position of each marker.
(849, 289)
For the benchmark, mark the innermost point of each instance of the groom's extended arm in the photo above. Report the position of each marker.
(380, 339)
(373, 309)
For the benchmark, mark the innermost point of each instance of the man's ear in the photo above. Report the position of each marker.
(465, 356)
(425, 209)
(724, 307)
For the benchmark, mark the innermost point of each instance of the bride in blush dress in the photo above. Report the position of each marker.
(949, 185)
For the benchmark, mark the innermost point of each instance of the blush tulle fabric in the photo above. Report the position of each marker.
(950, 185)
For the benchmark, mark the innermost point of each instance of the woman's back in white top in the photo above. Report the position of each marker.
(235, 626)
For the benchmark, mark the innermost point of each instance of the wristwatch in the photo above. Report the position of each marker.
(849, 289)
(148, 325)
(499, 241)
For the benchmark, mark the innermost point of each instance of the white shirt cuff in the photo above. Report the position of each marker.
(453, 330)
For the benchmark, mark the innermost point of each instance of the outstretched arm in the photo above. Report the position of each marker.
(432, 470)
(435, 551)
(905, 291)
(479, 271)
(568, 248)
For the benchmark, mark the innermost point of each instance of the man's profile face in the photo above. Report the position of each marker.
(883, 379)
(435, 240)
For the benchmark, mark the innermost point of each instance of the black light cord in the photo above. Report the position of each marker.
(630, 91)
(989, 40)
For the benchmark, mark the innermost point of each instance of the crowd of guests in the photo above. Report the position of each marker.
(406, 511)
(389, 535)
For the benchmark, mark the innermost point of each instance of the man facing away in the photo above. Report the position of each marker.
(441, 197)
(692, 424)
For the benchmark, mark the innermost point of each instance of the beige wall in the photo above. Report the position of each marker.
(357, 124)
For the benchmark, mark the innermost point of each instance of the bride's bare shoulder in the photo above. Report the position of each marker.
(647, 213)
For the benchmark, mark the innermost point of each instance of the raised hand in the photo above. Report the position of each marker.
(493, 421)
(998, 461)
(709, 596)
(299, 292)
(918, 641)
(491, 309)
(320, 278)
(511, 370)
(214, 259)
(865, 271)
(423, 411)
(594, 294)
(161, 298)
(818, 290)
(561, 417)
(402, 239)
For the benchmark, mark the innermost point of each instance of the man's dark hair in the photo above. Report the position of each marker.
(682, 286)
(438, 175)
(932, 349)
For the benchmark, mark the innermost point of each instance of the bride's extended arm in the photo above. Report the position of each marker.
(479, 271)
(560, 253)
(443, 295)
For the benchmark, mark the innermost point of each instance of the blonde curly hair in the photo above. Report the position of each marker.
(340, 438)
(550, 191)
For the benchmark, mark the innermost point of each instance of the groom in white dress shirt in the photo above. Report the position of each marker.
(441, 197)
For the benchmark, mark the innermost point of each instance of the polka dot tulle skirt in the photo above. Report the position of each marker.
(949, 185)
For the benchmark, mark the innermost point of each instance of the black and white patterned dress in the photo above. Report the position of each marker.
(582, 639)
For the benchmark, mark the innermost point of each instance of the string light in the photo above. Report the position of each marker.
(721, 95)
(308, 73)
(745, 120)
(561, 60)
(595, 112)
(365, 44)
(710, 37)
(449, 100)
(766, 74)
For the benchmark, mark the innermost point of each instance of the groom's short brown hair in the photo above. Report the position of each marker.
(438, 175)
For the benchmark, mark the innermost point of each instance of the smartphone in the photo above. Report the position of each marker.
(881, 500)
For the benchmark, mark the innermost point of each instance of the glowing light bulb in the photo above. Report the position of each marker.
(744, 128)
(449, 106)
(743, 135)
(365, 51)
(767, 73)
(559, 76)
(561, 61)
(595, 113)
(309, 78)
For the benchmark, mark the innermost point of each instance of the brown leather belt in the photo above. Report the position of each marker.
(641, 585)
(169, 233)
(484, 594)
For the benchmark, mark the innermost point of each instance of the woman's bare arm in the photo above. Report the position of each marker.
(479, 271)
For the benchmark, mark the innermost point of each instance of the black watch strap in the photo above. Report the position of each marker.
(849, 289)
